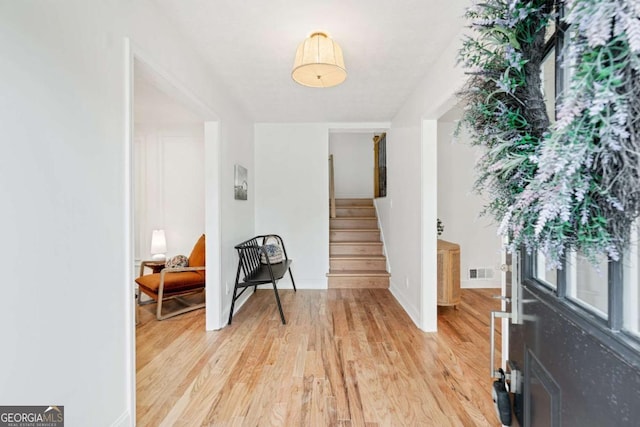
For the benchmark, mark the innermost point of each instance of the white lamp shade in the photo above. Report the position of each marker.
(158, 245)
(319, 62)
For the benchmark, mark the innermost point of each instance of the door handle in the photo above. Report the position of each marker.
(492, 340)
(515, 314)
(501, 297)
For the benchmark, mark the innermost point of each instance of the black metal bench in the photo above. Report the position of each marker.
(255, 273)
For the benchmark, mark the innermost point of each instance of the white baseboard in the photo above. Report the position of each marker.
(404, 302)
(479, 284)
(123, 420)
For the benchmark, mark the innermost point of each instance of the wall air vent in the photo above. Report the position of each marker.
(481, 273)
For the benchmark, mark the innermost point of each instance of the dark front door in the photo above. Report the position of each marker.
(573, 354)
(567, 363)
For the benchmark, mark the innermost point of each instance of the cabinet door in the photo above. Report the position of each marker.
(454, 268)
(442, 287)
(448, 276)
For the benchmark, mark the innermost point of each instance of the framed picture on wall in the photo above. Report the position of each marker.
(241, 183)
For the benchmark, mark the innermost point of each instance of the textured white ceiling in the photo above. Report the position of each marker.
(250, 45)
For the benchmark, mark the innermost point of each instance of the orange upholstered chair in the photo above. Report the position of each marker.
(176, 282)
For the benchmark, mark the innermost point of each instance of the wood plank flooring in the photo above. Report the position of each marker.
(347, 357)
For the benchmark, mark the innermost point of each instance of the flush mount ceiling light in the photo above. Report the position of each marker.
(319, 62)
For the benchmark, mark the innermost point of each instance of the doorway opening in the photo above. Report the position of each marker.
(357, 257)
(168, 171)
(171, 182)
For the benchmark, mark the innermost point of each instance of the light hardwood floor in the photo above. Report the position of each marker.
(347, 357)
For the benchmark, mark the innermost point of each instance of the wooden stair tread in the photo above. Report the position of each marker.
(356, 242)
(358, 273)
(355, 207)
(359, 218)
(355, 229)
(357, 256)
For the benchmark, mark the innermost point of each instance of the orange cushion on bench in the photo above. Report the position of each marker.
(173, 282)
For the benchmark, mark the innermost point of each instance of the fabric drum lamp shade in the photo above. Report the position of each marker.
(158, 245)
(319, 62)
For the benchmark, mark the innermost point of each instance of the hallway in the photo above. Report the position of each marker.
(347, 357)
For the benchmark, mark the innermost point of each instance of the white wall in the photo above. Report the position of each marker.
(410, 209)
(65, 206)
(237, 216)
(292, 195)
(352, 164)
(400, 216)
(459, 208)
(169, 184)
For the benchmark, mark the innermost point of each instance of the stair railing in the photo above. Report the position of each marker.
(332, 190)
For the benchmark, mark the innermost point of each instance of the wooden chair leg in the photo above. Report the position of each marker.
(159, 309)
(182, 311)
(160, 297)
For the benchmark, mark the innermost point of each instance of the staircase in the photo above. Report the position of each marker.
(355, 250)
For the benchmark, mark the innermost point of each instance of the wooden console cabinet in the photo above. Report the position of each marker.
(448, 273)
